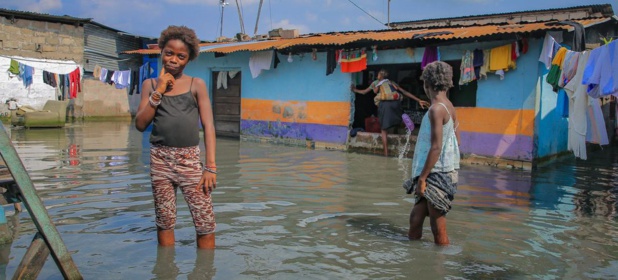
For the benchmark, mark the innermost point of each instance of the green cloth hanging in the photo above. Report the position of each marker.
(14, 68)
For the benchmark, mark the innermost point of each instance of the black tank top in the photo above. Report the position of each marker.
(176, 121)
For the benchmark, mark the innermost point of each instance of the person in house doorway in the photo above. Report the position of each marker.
(435, 163)
(175, 106)
(388, 99)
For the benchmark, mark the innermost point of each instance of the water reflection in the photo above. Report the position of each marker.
(288, 212)
(166, 267)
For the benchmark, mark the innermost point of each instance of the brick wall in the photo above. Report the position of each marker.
(40, 39)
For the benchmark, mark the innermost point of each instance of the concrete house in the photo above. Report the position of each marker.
(60, 44)
(509, 121)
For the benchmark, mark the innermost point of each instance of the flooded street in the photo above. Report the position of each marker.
(288, 212)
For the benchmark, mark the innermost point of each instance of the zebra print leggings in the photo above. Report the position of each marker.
(172, 168)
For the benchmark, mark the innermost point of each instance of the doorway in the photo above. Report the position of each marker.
(226, 103)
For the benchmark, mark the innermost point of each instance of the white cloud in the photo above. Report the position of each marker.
(285, 24)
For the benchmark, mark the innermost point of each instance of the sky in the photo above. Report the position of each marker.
(149, 18)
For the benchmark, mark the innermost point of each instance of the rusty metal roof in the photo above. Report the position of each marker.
(343, 38)
(156, 50)
(591, 11)
(44, 17)
(339, 39)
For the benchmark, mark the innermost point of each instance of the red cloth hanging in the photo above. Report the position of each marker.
(353, 62)
(74, 81)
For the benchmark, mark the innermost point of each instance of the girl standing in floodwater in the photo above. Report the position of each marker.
(436, 156)
(175, 106)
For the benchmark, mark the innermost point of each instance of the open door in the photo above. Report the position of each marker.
(226, 105)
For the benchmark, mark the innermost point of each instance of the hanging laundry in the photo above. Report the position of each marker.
(501, 58)
(553, 77)
(547, 53)
(331, 61)
(601, 72)
(121, 79)
(96, 72)
(134, 81)
(222, 80)
(338, 56)
(103, 75)
(578, 103)
(26, 73)
(524, 46)
(75, 83)
(477, 62)
(467, 69)
(500, 73)
(260, 61)
(514, 51)
(430, 55)
(276, 58)
(569, 67)
(485, 66)
(66, 94)
(232, 73)
(353, 61)
(596, 132)
(109, 79)
(14, 67)
(49, 79)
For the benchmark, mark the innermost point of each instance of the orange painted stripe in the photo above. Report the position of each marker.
(327, 113)
(496, 121)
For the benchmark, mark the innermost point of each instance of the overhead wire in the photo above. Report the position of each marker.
(366, 12)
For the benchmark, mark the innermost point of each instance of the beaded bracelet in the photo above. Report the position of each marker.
(154, 103)
(210, 170)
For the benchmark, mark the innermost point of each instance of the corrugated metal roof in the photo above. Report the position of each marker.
(343, 38)
(394, 35)
(604, 9)
(203, 46)
(45, 17)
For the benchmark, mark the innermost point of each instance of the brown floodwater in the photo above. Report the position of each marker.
(289, 212)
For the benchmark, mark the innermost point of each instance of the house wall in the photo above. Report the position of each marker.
(502, 123)
(294, 101)
(104, 100)
(297, 100)
(54, 47)
(40, 39)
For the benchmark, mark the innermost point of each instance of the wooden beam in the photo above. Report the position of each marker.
(36, 209)
(34, 259)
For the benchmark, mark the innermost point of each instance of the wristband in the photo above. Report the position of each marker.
(209, 170)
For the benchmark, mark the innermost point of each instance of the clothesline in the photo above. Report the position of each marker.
(580, 78)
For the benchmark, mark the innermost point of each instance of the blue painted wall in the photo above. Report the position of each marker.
(550, 129)
(305, 80)
(302, 80)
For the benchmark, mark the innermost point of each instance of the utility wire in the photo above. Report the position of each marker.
(270, 13)
(366, 12)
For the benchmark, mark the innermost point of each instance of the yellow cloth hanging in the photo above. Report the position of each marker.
(559, 58)
(500, 58)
